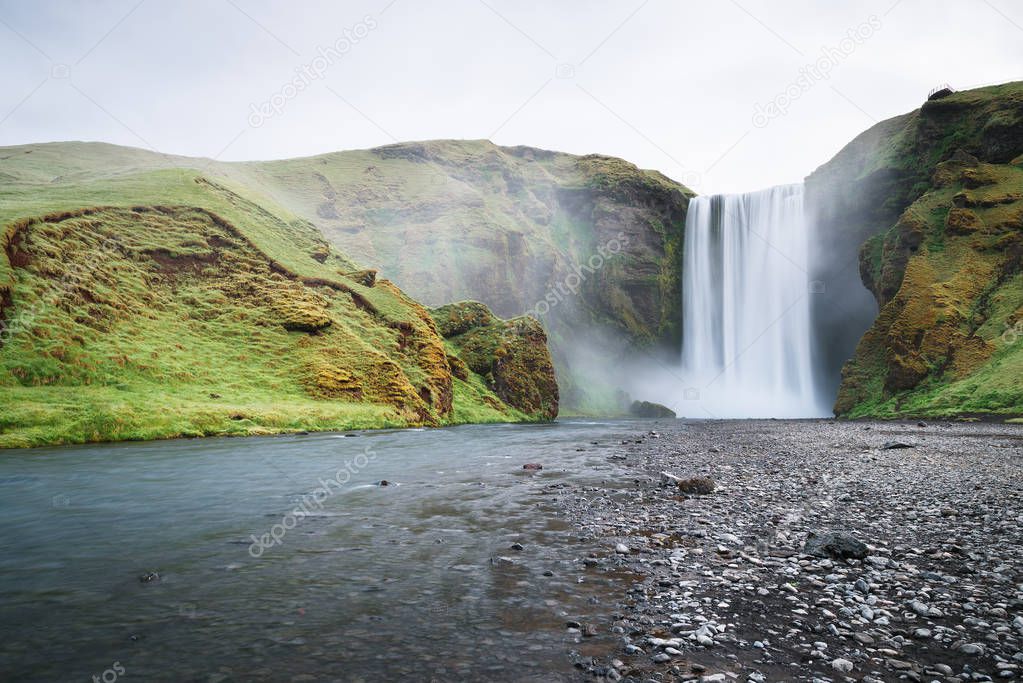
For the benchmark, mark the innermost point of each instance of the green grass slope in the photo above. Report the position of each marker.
(590, 244)
(936, 199)
(142, 296)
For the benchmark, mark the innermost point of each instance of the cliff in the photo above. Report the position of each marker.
(926, 209)
(590, 245)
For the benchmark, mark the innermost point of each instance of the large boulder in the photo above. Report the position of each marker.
(839, 545)
(650, 409)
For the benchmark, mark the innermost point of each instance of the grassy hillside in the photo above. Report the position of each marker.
(591, 244)
(935, 198)
(143, 297)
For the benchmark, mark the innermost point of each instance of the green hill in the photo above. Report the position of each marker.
(144, 296)
(592, 245)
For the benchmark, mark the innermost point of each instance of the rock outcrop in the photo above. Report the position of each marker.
(510, 355)
(650, 409)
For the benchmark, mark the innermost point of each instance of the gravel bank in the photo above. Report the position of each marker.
(726, 589)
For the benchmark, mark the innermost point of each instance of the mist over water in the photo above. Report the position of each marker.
(746, 346)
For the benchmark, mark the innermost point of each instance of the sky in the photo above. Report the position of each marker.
(725, 96)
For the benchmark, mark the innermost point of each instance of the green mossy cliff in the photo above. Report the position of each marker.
(591, 245)
(931, 205)
(140, 303)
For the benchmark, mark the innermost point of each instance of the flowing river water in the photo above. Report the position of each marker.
(138, 560)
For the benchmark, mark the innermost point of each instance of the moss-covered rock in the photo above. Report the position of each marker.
(455, 319)
(511, 355)
(936, 199)
(650, 409)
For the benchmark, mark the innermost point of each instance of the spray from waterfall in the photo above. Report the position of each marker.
(746, 307)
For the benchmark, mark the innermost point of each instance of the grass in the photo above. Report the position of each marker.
(38, 416)
(156, 303)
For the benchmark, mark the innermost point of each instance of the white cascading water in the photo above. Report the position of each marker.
(746, 307)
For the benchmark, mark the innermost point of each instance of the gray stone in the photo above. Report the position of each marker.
(842, 665)
(837, 544)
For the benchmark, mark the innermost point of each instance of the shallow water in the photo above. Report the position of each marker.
(366, 582)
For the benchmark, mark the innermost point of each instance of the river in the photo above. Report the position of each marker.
(281, 558)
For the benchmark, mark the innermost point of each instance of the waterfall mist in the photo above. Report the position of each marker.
(746, 334)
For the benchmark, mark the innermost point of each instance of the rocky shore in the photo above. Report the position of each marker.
(827, 551)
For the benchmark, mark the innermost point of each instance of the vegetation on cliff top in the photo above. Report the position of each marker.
(143, 302)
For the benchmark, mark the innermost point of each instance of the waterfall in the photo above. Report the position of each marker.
(746, 307)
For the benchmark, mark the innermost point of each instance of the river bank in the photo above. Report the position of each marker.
(725, 589)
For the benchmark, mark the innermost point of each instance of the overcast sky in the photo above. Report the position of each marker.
(683, 87)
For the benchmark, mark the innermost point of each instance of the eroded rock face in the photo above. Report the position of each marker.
(510, 355)
(933, 203)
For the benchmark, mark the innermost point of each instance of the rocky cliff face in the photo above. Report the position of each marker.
(926, 210)
(590, 245)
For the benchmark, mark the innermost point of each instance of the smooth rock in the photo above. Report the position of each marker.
(842, 665)
(836, 544)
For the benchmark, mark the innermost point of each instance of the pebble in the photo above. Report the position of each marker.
(842, 665)
(844, 560)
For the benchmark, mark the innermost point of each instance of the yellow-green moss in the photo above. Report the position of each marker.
(946, 340)
(510, 355)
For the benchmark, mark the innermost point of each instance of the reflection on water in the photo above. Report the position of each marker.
(273, 564)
